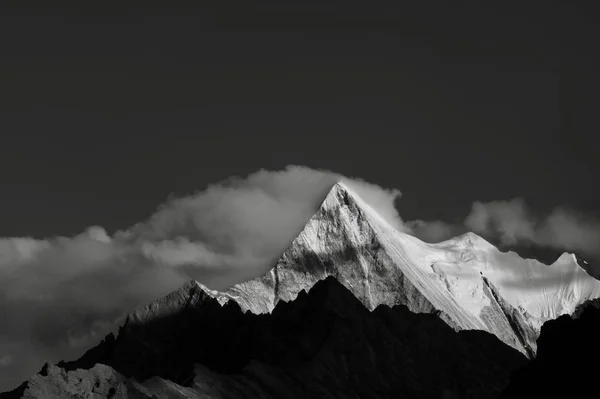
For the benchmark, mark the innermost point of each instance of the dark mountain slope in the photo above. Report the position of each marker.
(566, 362)
(324, 344)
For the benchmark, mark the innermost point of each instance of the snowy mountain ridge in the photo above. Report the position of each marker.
(467, 281)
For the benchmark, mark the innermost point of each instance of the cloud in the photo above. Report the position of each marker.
(434, 231)
(513, 223)
(570, 229)
(508, 219)
(60, 295)
(237, 229)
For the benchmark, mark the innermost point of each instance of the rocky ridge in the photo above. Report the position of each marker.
(324, 344)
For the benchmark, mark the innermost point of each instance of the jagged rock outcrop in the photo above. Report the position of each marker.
(324, 344)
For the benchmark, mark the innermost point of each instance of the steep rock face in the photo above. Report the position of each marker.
(324, 344)
(509, 324)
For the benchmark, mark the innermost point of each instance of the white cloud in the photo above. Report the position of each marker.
(513, 223)
(509, 219)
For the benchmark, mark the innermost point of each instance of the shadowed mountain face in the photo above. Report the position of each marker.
(324, 344)
(565, 365)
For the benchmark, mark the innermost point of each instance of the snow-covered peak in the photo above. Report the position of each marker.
(346, 238)
(467, 281)
(566, 258)
(469, 240)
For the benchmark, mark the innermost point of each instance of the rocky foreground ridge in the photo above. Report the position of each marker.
(324, 344)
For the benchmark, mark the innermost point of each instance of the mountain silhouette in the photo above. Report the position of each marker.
(324, 344)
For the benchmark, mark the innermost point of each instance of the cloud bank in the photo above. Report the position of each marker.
(60, 295)
(513, 223)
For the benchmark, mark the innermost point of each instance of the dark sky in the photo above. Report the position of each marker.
(102, 117)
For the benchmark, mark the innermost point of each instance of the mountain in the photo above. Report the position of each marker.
(491, 303)
(466, 281)
(324, 344)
